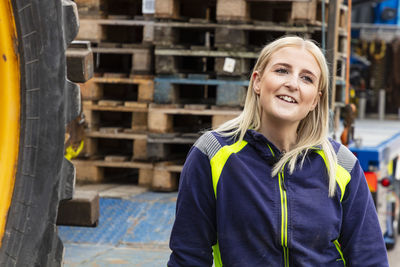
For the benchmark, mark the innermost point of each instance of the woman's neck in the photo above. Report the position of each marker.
(282, 135)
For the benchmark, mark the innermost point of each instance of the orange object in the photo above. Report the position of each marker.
(372, 180)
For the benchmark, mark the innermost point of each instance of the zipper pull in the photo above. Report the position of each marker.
(282, 181)
(284, 185)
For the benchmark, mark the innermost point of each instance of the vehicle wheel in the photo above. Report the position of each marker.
(36, 102)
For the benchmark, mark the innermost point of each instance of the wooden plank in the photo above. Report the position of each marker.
(90, 90)
(92, 118)
(165, 36)
(119, 135)
(139, 121)
(171, 139)
(195, 106)
(86, 171)
(90, 31)
(142, 61)
(136, 105)
(145, 177)
(120, 50)
(119, 22)
(110, 130)
(164, 180)
(145, 90)
(158, 151)
(116, 158)
(269, 27)
(88, 105)
(89, 4)
(230, 38)
(154, 109)
(166, 64)
(205, 53)
(134, 79)
(304, 11)
(114, 75)
(167, 9)
(159, 122)
(110, 103)
(220, 119)
(140, 150)
(232, 10)
(127, 164)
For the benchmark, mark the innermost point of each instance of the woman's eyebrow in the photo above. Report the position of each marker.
(309, 72)
(290, 66)
(282, 64)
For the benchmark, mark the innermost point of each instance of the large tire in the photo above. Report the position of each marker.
(44, 102)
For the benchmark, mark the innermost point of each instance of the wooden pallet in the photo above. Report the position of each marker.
(130, 116)
(170, 146)
(291, 12)
(243, 36)
(113, 144)
(128, 59)
(116, 30)
(198, 89)
(173, 118)
(96, 171)
(166, 176)
(161, 176)
(139, 88)
(204, 10)
(204, 61)
(115, 8)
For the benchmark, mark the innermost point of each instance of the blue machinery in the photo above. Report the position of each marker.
(377, 147)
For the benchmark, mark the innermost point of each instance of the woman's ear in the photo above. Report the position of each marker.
(316, 100)
(256, 82)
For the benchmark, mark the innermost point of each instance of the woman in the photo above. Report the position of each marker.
(268, 188)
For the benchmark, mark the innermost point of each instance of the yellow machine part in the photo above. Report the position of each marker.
(9, 109)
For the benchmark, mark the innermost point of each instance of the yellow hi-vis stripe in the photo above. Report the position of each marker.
(218, 161)
(217, 256)
(342, 175)
(217, 164)
(284, 219)
(337, 245)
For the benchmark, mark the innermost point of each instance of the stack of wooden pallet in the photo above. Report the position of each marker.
(116, 100)
(145, 117)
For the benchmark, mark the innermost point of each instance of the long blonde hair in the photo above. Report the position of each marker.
(312, 130)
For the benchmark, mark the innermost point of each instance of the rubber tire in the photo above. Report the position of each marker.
(48, 102)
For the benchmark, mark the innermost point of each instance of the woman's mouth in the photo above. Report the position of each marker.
(287, 99)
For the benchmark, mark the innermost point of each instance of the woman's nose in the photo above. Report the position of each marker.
(292, 82)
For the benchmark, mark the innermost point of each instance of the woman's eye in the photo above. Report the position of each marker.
(308, 79)
(283, 71)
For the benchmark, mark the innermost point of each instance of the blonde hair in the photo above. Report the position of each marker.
(312, 130)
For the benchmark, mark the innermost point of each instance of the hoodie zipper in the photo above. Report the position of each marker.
(284, 213)
(284, 219)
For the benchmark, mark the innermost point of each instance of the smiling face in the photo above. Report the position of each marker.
(288, 86)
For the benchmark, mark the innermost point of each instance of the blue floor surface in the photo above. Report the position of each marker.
(131, 232)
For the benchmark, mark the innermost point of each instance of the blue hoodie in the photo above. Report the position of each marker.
(230, 209)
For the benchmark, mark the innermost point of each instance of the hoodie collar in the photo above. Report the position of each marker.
(263, 146)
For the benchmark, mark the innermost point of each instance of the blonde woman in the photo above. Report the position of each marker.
(269, 188)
